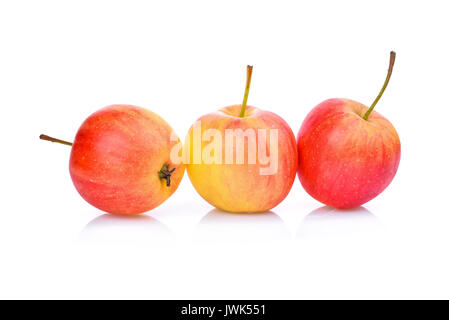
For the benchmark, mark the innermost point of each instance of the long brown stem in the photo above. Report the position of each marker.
(45, 137)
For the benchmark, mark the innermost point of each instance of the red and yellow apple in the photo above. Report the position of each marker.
(348, 153)
(120, 160)
(237, 176)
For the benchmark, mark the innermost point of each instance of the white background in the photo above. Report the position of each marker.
(62, 60)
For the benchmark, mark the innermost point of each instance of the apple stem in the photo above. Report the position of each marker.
(249, 72)
(165, 173)
(45, 137)
(390, 71)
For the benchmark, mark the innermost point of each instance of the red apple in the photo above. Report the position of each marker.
(267, 170)
(120, 160)
(348, 153)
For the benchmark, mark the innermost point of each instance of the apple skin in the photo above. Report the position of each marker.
(116, 156)
(344, 160)
(240, 187)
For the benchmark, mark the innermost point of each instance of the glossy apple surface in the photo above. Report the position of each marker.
(240, 187)
(117, 157)
(345, 160)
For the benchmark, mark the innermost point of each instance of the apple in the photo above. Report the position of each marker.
(120, 160)
(348, 153)
(241, 158)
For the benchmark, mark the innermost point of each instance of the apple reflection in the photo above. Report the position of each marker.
(135, 229)
(221, 226)
(329, 222)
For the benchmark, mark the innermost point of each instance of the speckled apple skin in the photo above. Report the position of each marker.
(240, 187)
(116, 156)
(344, 160)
